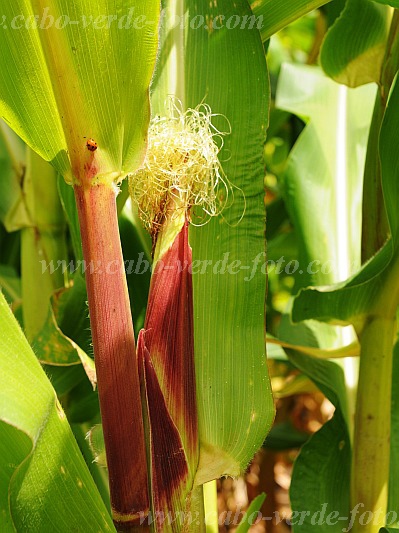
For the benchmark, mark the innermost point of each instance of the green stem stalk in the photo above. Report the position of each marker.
(211, 507)
(115, 354)
(371, 447)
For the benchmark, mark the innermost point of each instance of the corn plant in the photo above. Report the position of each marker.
(349, 187)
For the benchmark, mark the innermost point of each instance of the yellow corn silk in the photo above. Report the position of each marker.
(181, 169)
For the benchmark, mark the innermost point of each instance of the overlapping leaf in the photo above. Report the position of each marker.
(273, 15)
(328, 184)
(373, 288)
(315, 170)
(79, 71)
(235, 406)
(210, 65)
(354, 48)
(166, 359)
(44, 482)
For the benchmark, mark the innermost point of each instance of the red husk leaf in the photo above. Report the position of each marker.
(166, 359)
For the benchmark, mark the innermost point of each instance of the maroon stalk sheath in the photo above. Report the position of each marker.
(114, 352)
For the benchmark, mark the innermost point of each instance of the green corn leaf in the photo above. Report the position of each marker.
(83, 73)
(390, 161)
(374, 287)
(234, 402)
(321, 479)
(235, 406)
(308, 182)
(54, 348)
(44, 482)
(316, 478)
(329, 180)
(276, 14)
(354, 47)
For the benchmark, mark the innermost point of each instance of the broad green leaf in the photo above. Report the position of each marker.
(235, 406)
(65, 338)
(52, 347)
(354, 47)
(285, 436)
(83, 72)
(373, 289)
(48, 485)
(321, 480)
(15, 446)
(323, 178)
(234, 400)
(323, 190)
(333, 10)
(375, 228)
(276, 14)
(347, 302)
(322, 470)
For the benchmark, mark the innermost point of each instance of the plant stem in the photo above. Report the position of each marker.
(371, 448)
(211, 507)
(115, 353)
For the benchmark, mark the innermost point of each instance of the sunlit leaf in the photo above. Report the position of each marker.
(82, 74)
(276, 14)
(234, 400)
(45, 484)
(354, 48)
(330, 249)
(351, 301)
